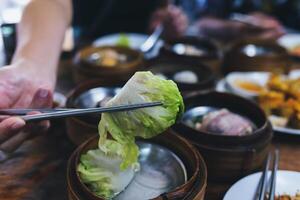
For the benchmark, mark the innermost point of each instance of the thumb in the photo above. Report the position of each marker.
(43, 98)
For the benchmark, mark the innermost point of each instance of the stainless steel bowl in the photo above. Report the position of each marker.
(161, 171)
(95, 97)
(197, 114)
(171, 168)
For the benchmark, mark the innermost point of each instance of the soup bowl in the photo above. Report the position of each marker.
(101, 63)
(186, 163)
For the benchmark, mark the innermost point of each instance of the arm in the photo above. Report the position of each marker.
(40, 34)
(30, 80)
(263, 27)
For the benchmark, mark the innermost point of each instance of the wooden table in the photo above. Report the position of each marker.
(37, 170)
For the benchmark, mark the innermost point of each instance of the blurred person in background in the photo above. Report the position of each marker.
(101, 17)
(265, 18)
(29, 81)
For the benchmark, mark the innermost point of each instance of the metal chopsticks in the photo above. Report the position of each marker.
(263, 183)
(274, 175)
(25, 111)
(80, 112)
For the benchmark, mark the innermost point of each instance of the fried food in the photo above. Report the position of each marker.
(282, 98)
(288, 197)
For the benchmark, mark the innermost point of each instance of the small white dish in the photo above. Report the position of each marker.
(294, 74)
(287, 182)
(258, 78)
(289, 41)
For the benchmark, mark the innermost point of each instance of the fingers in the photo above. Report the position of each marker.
(14, 142)
(10, 127)
(42, 99)
(37, 128)
(177, 19)
(3, 117)
(173, 18)
(17, 139)
(13, 132)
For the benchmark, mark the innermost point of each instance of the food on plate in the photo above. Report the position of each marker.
(249, 86)
(186, 77)
(288, 197)
(187, 49)
(295, 50)
(108, 58)
(123, 41)
(224, 122)
(278, 121)
(117, 156)
(282, 99)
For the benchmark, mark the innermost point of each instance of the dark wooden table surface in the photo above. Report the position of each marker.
(37, 170)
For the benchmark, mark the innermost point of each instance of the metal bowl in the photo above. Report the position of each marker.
(95, 97)
(92, 98)
(86, 69)
(209, 52)
(171, 168)
(228, 157)
(197, 113)
(181, 71)
(88, 95)
(256, 55)
(161, 171)
(205, 47)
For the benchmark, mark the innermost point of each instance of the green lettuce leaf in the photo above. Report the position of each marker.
(123, 41)
(146, 122)
(109, 169)
(102, 174)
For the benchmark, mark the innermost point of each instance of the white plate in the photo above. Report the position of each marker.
(289, 41)
(135, 41)
(222, 86)
(288, 182)
(294, 74)
(285, 130)
(259, 78)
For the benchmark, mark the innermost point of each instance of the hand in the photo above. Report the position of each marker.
(22, 85)
(174, 20)
(267, 27)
